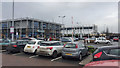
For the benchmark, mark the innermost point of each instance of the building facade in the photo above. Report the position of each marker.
(81, 30)
(30, 27)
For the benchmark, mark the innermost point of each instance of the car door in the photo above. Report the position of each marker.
(114, 54)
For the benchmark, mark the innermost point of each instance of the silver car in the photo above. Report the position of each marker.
(50, 48)
(74, 50)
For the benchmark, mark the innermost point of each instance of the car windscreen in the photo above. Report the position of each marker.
(22, 42)
(31, 42)
(70, 45)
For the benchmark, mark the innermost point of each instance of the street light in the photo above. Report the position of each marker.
(62, 22)
(12, 28)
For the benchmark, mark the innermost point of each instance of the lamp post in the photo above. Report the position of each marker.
(12, 28)
(62, 23)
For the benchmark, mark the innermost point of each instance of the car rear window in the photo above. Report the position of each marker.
(31, 42)
(70, 45)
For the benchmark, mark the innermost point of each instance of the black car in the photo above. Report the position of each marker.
(107, 53)
(18, 46)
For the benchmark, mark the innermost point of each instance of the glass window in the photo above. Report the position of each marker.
(70, 45)
(31, 42)
(39, 43)
(45, 44)
(115, 52)
(81, 45)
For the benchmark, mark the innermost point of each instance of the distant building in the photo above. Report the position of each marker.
(82, 30)
(30, 27)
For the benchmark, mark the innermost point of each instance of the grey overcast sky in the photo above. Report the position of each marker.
(103, 14)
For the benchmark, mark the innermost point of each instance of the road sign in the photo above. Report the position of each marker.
(11, 29)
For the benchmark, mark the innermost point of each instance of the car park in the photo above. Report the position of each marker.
(102, 40)
(32, 46)
(50, 48)
(105, 63)
(74, 50)
(107, 53)
(18, 46)
(116, 39)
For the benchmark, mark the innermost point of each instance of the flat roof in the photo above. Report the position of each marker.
(28, 18)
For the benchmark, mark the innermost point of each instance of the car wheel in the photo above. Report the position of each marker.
(54, 55)
(88, 53)
(107, 42)
(80, 57)
(21, 50)
(35, 52)
(63, 57)
(8, 52)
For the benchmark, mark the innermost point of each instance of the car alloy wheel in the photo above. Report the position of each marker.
(54, 55)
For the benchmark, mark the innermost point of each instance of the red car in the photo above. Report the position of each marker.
(115, 39)
(102, 64)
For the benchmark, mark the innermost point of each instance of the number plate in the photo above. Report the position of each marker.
(68, 54)
(28, 46)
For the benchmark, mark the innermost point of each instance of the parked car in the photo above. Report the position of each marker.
(50, 48)
(4, 43)
(74, 50)
(32, 46)
(102, 40)
(17, 46)
(66, 39)
(116, 39)
(89, 40)
(107, 53)
(101, 64)
(29, 38)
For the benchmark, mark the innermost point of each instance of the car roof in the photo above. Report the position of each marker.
(109, 47)
(76, 42)
(36, 40)
(22, 40)
(50, 41)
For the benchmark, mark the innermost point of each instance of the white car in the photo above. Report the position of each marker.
(50, 48)
(32, 46)
(102, 40)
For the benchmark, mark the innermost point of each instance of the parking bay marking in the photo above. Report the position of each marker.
(33, 56)
(86, 61)
(2, 50)
(17, 54)
(56, 58)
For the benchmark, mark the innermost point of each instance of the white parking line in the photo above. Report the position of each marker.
(86, 60)
(2, 50)
(17, 53)
(56, 58)
(33, 56)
